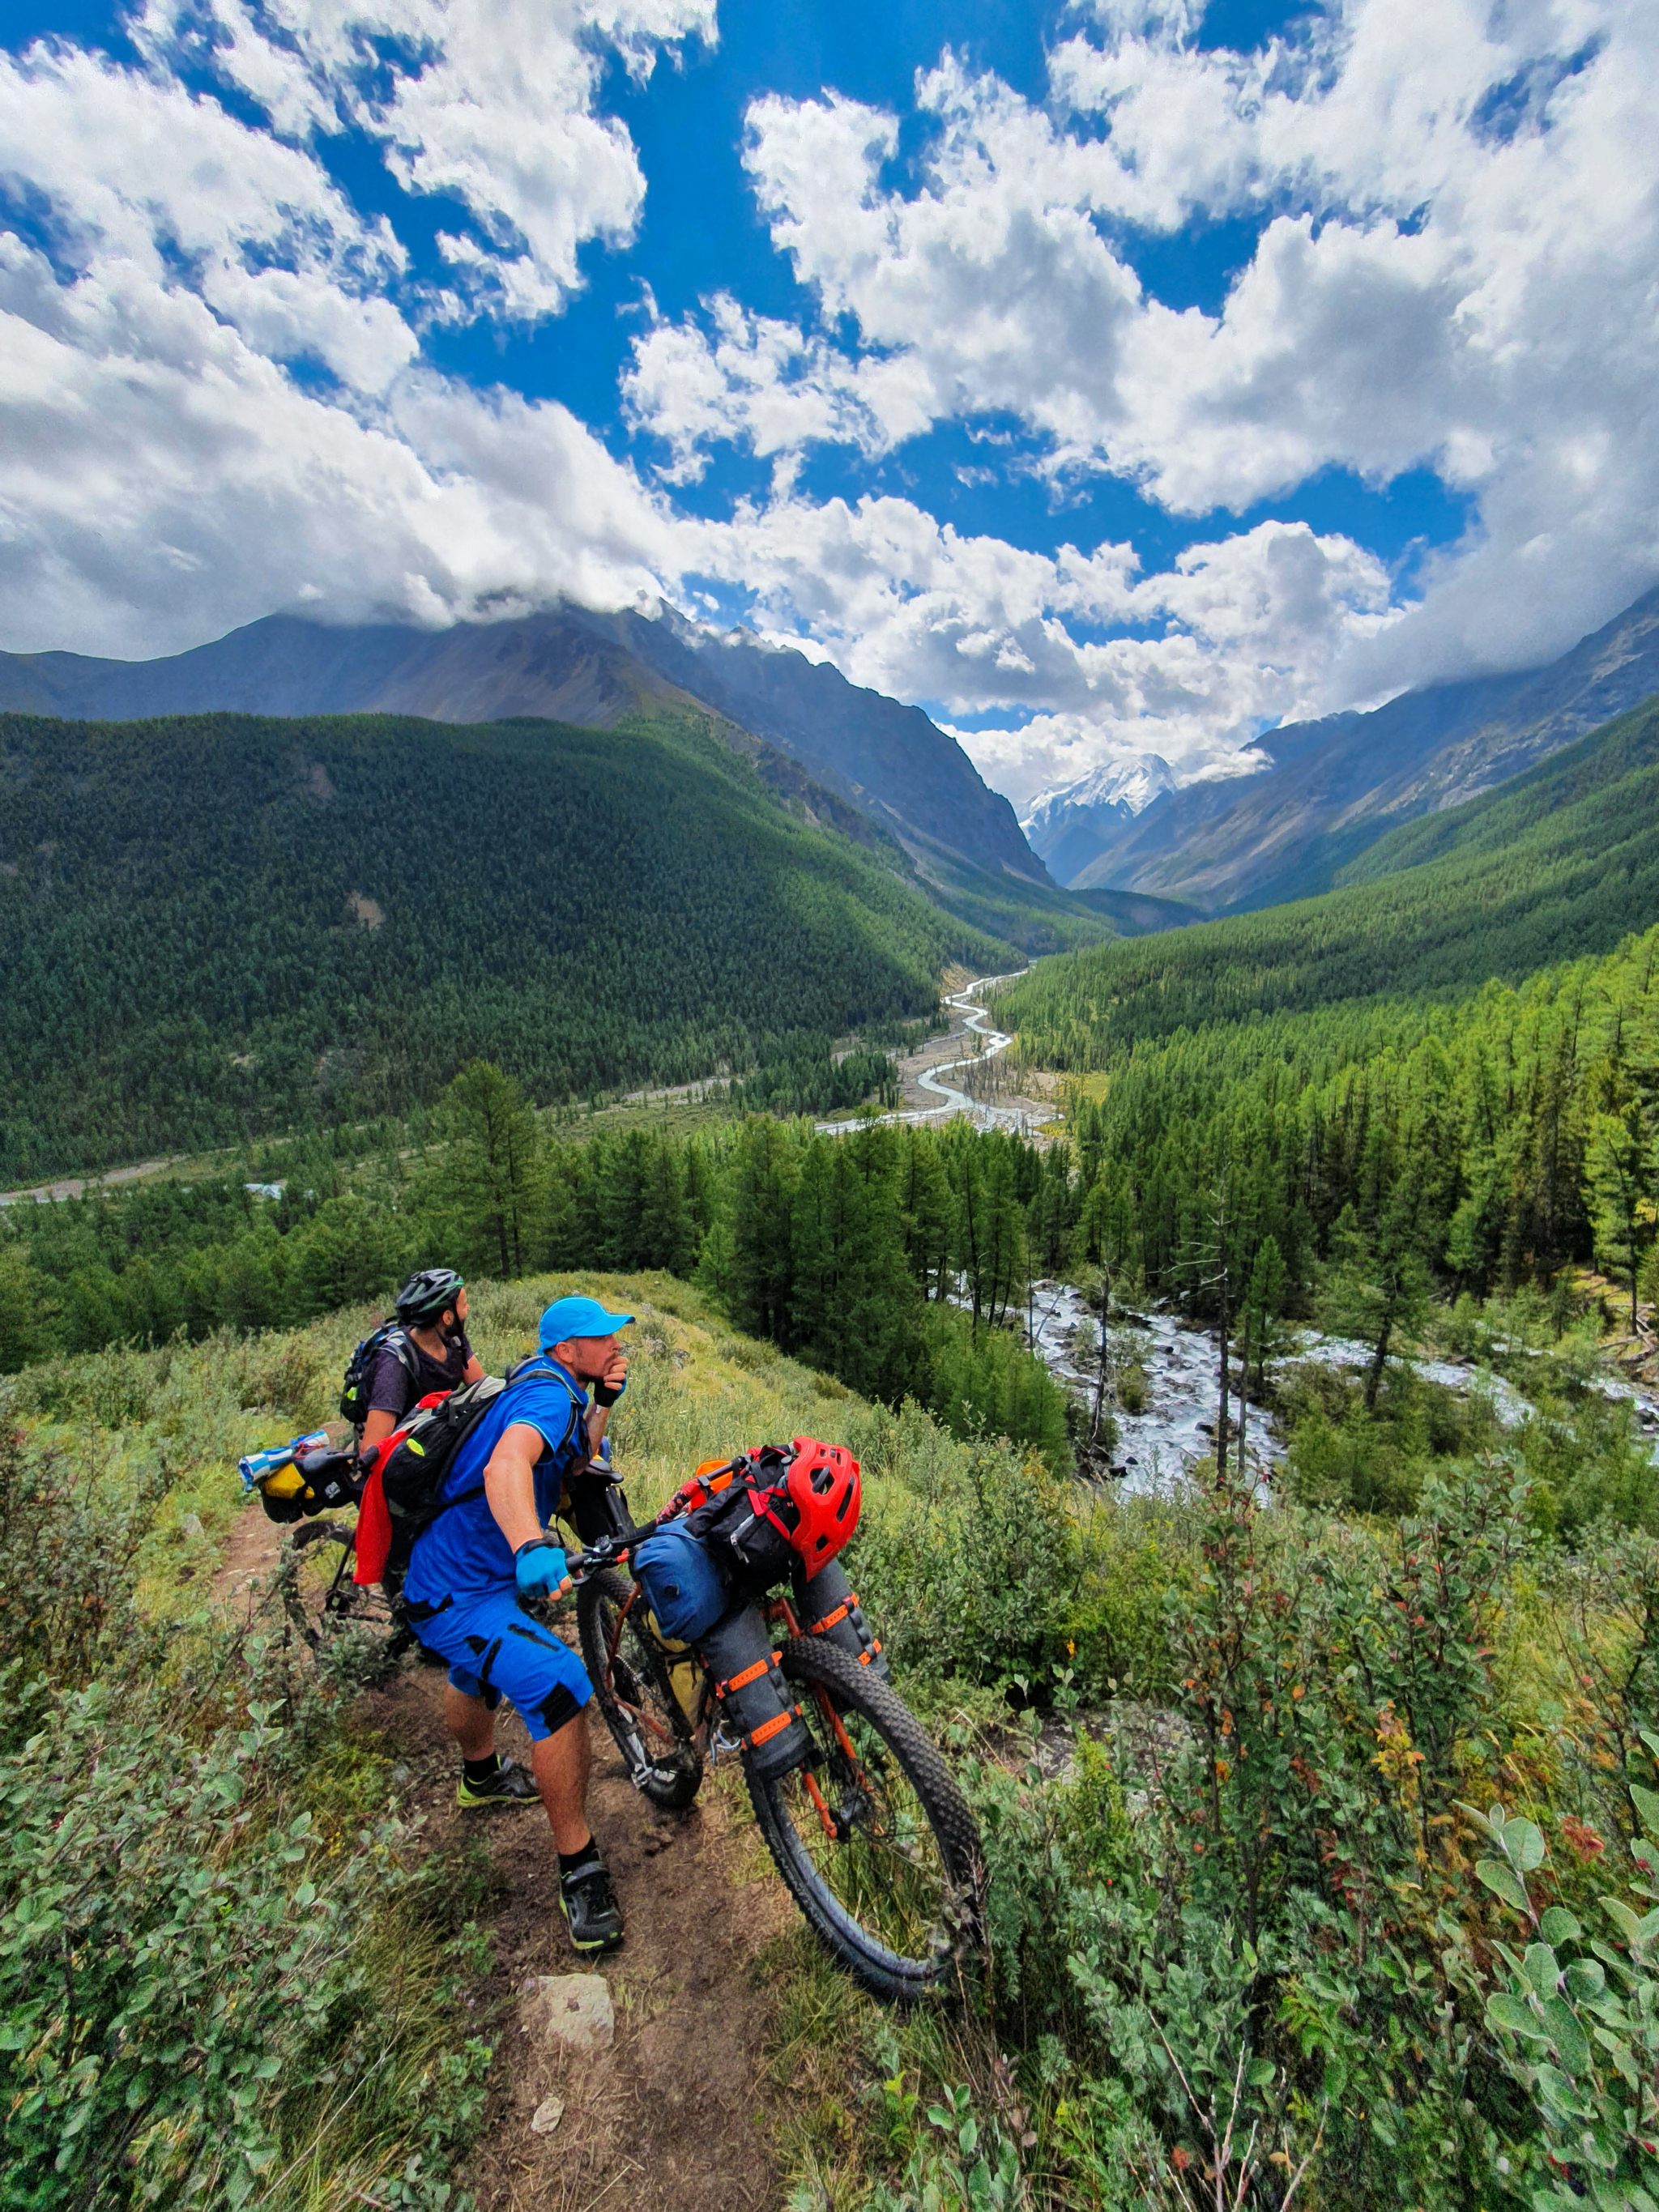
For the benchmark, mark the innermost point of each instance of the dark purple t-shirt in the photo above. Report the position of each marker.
(392, 1390)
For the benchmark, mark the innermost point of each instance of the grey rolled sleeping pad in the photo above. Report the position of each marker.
(754, 1697)
(828, 1607)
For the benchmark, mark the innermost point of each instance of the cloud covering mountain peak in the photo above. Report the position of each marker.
(299, 304)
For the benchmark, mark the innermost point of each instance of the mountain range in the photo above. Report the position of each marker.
(1334, 786)
(907, 778)
(1070, 825)
(1559, 863)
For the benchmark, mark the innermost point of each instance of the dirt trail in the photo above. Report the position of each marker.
(674, 2118)
(677, 2115)
(249, 1556)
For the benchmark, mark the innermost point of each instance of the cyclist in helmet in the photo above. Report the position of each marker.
(428, 1351)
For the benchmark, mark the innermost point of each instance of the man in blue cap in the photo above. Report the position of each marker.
(487, 1549)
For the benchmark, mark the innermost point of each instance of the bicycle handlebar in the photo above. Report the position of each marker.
(583, 1565)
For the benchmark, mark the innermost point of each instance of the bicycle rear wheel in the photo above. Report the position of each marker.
(320, 1599)
(874, 1839)
(632, 1689)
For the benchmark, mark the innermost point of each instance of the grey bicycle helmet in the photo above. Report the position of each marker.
(428, 1296)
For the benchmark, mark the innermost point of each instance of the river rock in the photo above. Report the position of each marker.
(569, 2012)
(547, 2116)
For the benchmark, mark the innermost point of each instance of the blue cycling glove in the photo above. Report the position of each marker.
(539, 1566)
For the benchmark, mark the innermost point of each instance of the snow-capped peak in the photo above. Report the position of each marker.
(1127, 786)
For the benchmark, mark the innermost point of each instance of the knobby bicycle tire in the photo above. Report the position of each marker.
(668, 1772)
(305, 1593)
(893, 1896)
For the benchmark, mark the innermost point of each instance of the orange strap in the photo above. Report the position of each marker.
(749, 1674)
(767, 1730)
(822, 1627)
(865, 1657)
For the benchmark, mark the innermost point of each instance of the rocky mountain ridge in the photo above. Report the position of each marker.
(882, 760)
(1066, 825)
(1334, 787)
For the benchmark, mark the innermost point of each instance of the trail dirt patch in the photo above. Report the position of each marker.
(675, 2117)
(248, 1561)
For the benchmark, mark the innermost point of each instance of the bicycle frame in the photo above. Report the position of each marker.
(345, 1573)
(777, 1611)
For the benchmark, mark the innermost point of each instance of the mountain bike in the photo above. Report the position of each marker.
(314, 1571)
(873, 1840)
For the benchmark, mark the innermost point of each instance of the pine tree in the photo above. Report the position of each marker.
(761, 1272)
(1377, 1289)
(666, 1239)
(494, 1170)
(1619, 1173)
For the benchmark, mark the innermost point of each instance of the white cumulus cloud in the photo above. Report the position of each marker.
(215, 401)
(1457, 269)
(1237, 634)
(168, 464)
(491, 101)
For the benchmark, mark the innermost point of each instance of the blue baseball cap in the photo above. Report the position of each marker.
(568, 1317)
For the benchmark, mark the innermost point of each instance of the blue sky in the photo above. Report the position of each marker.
(1112, 378)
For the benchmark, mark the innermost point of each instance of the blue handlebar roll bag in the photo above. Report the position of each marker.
(682, 1582)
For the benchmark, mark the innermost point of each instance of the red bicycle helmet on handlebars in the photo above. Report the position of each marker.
(825, 1489)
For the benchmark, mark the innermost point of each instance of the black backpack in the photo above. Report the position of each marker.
(414, 1472)
(390, 1336)
(742, 1523)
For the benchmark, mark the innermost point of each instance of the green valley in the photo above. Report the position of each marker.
(1275, 1783)
(217, 927)
(1561, 862)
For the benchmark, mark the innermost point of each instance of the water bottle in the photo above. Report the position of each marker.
(255, 1468)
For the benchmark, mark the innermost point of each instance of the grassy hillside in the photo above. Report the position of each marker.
(217, 926)
(241, 1962)
(1561, 863)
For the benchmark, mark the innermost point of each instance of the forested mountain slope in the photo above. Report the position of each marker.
(888, 758)
(1337, 785)
(1563, 862)
(566, 665)
(213, 925)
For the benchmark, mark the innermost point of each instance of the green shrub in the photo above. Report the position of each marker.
(70, 1541)
(975, 1577)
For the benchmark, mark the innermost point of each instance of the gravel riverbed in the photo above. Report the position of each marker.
(1181, 1365)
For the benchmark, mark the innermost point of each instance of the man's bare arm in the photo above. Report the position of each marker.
(510, 1483)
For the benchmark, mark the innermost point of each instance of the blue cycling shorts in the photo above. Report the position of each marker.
(494, 1650)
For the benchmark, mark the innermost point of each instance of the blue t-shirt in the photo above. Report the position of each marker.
(463, 1552)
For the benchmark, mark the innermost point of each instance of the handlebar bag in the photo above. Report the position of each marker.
(682, 1582)
(314, 1483)
(777, 1507)
(741, 1524)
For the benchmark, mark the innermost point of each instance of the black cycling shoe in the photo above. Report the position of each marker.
(589, 1905)
(508, 1786)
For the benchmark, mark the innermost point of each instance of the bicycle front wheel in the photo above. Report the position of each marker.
(874, 1839)
(634, 1692)
(318, 1595)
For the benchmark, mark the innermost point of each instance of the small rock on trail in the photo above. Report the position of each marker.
(565, 2013)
